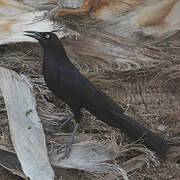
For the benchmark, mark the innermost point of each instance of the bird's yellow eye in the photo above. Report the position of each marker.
(47, 36)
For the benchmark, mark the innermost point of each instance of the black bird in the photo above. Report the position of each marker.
(67, 83)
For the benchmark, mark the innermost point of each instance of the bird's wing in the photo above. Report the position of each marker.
(84, 90)
(75, 84)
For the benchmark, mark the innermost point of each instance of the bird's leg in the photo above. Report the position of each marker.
(66, 121)
(57, 128)
(66, 147)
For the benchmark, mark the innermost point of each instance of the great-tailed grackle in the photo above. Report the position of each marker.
(67, 83)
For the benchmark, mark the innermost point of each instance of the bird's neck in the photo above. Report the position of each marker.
(55, 54)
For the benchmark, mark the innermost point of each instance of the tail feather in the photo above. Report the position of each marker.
(137, 131)
(132, 129)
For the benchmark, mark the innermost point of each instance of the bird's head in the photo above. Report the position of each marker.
(47, 39)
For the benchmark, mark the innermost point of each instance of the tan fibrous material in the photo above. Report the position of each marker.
(103, 9)
(160, 18)
(156, 13)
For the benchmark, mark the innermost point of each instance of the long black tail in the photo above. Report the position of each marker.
(114, 117)
(138, 132)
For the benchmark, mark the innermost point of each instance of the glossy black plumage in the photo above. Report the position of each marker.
(67, 83)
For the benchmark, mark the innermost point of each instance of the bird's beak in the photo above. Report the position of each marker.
(33, 34)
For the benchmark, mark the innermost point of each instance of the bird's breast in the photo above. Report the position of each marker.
(50, 73)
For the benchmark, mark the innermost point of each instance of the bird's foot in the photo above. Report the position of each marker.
(64, 150)
(66, 147)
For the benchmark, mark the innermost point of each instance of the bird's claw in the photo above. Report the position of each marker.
(65, 149)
